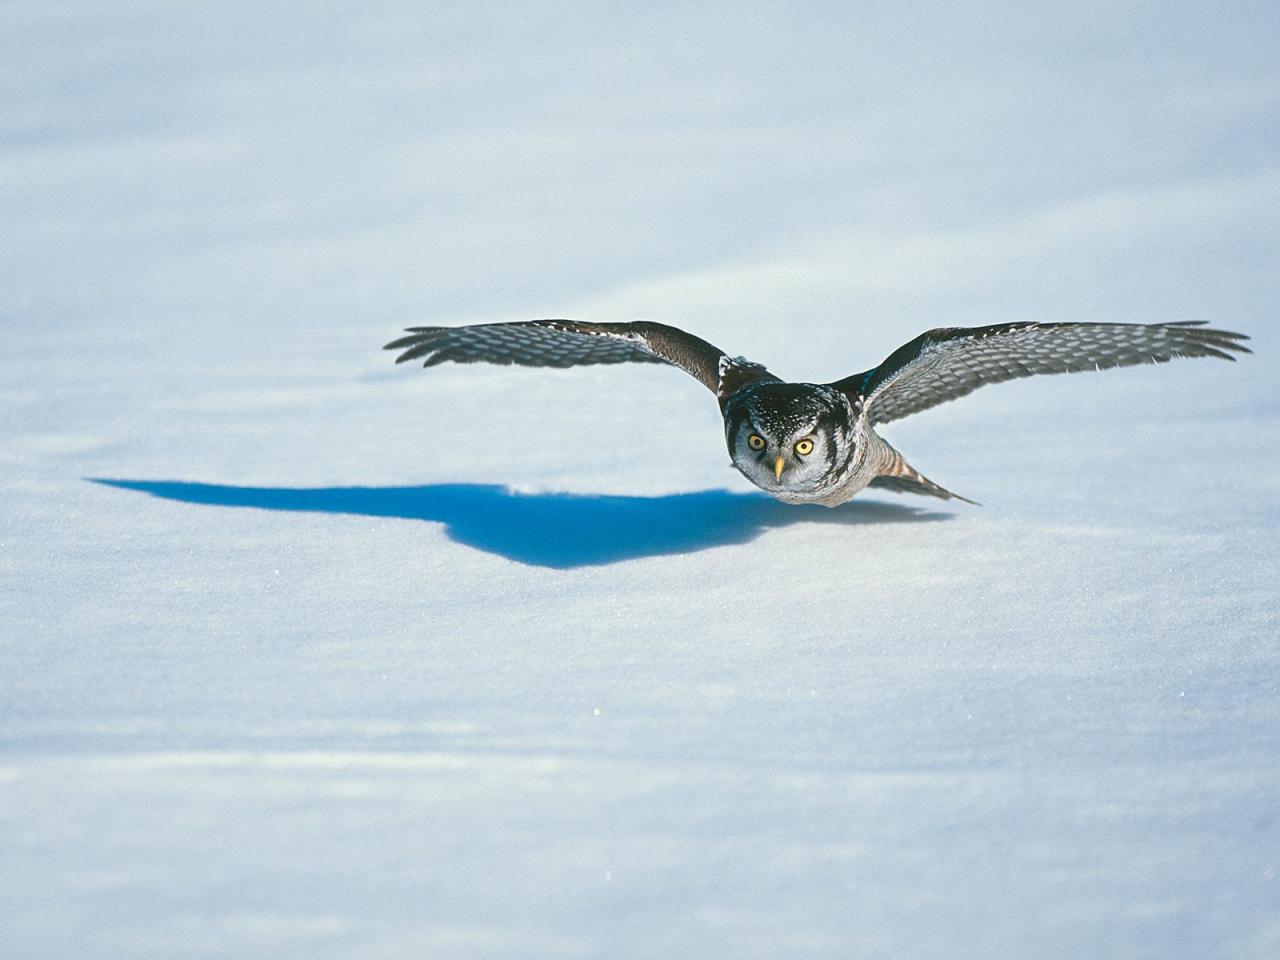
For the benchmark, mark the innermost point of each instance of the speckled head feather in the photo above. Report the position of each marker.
(784, 410)
(794, 440)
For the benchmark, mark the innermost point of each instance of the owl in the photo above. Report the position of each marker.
(817, 442)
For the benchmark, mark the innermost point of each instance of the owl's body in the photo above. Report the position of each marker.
(847, 456)
(815, 442)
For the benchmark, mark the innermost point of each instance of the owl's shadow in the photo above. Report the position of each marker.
(557, 530)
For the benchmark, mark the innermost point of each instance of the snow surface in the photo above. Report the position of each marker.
(306, 655)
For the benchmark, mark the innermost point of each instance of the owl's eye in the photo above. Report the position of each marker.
(805, 447)
(755, 441)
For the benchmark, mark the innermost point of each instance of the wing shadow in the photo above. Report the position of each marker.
(557, 530)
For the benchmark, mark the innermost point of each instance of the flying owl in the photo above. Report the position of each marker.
(816, 442)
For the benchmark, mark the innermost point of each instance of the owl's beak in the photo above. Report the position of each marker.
(778, 466)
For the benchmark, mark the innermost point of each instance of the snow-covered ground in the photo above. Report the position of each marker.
(305, 655)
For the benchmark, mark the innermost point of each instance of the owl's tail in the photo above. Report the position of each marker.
(899, 476)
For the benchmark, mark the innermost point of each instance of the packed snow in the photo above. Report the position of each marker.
(307, 655)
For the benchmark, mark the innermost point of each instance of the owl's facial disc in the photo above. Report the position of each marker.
(787, 437)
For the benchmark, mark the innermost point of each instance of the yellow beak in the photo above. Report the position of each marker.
(778, 466)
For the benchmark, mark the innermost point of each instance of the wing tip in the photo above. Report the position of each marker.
(421, 341)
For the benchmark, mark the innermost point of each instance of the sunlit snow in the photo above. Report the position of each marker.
(306, 655)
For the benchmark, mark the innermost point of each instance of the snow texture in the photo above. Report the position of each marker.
(306, 655)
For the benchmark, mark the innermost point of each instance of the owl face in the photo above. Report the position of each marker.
(788, 437)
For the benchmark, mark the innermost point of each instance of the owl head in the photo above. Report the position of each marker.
(788, 437)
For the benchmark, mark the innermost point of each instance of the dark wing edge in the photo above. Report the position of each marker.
(564, 343)
(950, 362)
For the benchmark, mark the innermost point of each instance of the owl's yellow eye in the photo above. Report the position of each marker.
(755, 441)
(804, 447)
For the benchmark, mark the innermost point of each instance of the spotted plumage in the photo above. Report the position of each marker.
(813, 442)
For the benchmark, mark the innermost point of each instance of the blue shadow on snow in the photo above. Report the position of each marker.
(558, 530)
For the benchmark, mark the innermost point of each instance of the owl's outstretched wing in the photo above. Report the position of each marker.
(570, 343)
(947, 363)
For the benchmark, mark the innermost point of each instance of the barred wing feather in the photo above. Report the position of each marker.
(949, 362)
(562, 343)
